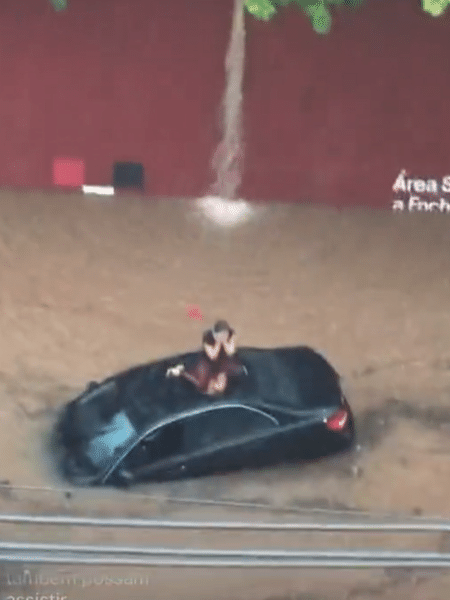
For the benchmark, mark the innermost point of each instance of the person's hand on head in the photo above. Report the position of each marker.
(211, 346)
(230, 345)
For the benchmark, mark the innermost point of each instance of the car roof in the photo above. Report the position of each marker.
(295, 379)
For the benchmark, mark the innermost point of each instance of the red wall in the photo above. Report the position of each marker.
(334, 119)
(111, 80)
(329, 119)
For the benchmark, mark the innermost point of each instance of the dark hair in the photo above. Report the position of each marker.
(220, 326)
(208, 338)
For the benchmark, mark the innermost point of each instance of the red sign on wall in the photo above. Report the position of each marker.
(68, 172)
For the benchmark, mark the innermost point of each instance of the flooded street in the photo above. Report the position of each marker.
(91, 285)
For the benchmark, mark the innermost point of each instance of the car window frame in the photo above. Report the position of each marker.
(230, 441)
(180, 417)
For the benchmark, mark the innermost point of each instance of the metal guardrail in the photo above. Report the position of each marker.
(50, 553)
(224, 503)
(334, 526)
(152, 557)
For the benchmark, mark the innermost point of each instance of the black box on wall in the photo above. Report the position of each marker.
(128, 175)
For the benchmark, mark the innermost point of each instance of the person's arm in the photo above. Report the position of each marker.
(229, 345)
(180, 371)
(195, 379)
(212, 351)
(198, 374)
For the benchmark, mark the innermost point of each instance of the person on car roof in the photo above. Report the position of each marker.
(216, 364)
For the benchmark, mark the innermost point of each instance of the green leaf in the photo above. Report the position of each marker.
(59, 4)
(317, 10)
(261, 9)
(321, 20)
(347, 3)
(435, 7)
(319, 14)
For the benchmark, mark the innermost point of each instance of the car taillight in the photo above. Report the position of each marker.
(337, 421)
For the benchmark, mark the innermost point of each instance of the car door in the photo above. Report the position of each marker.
(226, 438)
(221, 438)
(153, 456)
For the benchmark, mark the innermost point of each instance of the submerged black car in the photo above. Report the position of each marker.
(140, 425)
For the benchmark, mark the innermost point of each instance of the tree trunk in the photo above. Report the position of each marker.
(228, 158)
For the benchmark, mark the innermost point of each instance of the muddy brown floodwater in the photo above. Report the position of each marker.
(89, 286)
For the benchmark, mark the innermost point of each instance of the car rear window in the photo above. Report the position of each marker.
(111, 441)
(104, 430)
(295, 378)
